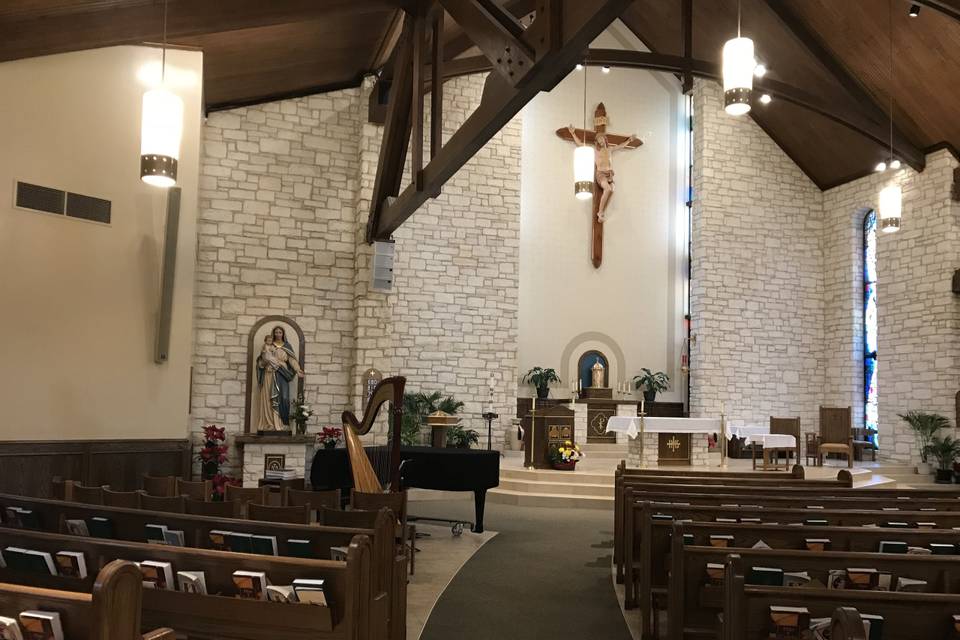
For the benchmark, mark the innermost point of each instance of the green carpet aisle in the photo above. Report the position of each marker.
(545, 576)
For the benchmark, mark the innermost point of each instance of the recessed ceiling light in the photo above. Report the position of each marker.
(881, 167)
(766, 99)
(914, 10)
(606, 69)
(894, 164)
(760, 70)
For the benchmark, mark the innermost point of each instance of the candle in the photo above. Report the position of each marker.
(534, 407)
(721, 408)
(643, 404)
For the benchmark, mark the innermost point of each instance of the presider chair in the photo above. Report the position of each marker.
(788, 427)
(836, 433)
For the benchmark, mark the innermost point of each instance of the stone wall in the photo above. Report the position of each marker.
(919, 316)
(757, 305)
(284, 198)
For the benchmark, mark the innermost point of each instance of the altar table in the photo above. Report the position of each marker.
(666, 440)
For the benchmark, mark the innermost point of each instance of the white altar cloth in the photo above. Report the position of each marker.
(772, 440)
(631, 425)
(747, 430)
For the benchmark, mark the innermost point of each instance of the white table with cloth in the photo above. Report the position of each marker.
(772, 443)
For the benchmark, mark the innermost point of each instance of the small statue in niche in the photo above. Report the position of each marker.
(277, 366)
(596, 373)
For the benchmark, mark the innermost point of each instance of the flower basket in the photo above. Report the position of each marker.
(565, 466)
(565, 456)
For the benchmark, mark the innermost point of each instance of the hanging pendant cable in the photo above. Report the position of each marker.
(890, 91)
(163, 55)
(585, 69)
(738, 18)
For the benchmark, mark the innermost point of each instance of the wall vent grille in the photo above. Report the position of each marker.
(73, 205)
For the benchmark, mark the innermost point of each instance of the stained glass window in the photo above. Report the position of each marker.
(870, 405)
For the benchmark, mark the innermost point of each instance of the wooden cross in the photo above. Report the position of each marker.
(603, 169)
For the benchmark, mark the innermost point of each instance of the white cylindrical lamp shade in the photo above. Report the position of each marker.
(738, 67)
(160, 133)
(891, 204)
(583, 161)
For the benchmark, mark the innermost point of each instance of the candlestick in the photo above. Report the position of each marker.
(643, 402)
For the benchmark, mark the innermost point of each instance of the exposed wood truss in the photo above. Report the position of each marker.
(526, 62)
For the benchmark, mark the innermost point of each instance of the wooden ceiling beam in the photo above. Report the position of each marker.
(949, 8)
(107, 23)
(497, 34)
(905, 148)
(461, 43)
(581, 21)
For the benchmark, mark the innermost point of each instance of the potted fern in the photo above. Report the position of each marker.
(651, 383)
(945, 450)
(541, 378)
(924, 426)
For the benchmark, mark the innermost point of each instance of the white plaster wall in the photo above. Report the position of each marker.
(80, 299)
(632, 298)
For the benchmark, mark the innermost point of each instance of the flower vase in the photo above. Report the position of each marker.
(330, 444)
(301, 427)
(565, 466)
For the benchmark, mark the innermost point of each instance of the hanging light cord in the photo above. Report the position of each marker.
(890, 93)
(738, 18)
(585, 69)
(163, 55)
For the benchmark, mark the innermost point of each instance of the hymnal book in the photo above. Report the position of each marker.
(297, 548)
(718, 540)
(154, 533)
(715, 572)
(942, 549)
(338, 553)
(665, 516)
(30, 560)
(817, 544)
(218, 539)
(927, 509)
(750, 521)
(41, 625)
(3, 563)
(77, 528)
(23, 518)
(11, 516)
(284, 594)
(788, 622)
(796, 579)
(100, 527)
(310, 591)
(192, 582)
(10, 629)
(264, 545)
(919, 551)
(726, 520)
(893, 524)
(872, 626)
(814, 506)
(837, 579)
(765, 576)
(173, 538)
(815, 522)
(956, 622)
(250, 584)
(909, 584)
(239, 542)
(865, 578)
(157, 575)
(892, 546)
(890, 509)
(280, 474)
(926, 525)
(760, 544)
(688, 538)
(72, 564)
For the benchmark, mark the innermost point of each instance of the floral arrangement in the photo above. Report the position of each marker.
(212, 456)
(329, 437)
(301, 413)
(566, 454)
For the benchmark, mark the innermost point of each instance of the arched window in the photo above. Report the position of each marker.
(870, 406)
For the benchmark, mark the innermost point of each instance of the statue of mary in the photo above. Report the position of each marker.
(277, 365)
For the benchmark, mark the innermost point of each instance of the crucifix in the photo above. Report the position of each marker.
(604, 143)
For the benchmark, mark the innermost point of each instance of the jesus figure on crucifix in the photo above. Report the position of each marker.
(605, 144)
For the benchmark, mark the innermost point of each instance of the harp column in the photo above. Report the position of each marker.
(271, 452)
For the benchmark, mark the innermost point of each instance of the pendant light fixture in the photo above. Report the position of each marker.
(161, 128)
(739, 66)
(891, 196)
(583, 156)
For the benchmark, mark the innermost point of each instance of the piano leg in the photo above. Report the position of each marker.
(479, 501)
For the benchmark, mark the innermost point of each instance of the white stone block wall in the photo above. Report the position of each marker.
(629, 410)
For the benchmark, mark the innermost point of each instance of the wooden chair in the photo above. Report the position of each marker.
(862, 443)
(226, 509)
(316, 499)
(87, 495)
(836, 433)
(789, 427)
(811, 448)
(288, 515)
(396, 501)
(258, 495)
(160, 486)
(200, 490)
(169, 504)
(126, 499)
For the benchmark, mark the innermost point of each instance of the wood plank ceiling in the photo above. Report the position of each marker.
(256, 51)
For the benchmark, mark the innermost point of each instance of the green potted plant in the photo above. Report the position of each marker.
(651, 383)
(416, 408)
(924, 426)
(945, 450)
(460, 438)
(541, 379)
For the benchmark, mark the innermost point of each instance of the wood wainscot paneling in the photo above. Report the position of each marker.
(27, 467)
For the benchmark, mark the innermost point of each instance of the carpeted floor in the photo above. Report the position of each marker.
(545, 576)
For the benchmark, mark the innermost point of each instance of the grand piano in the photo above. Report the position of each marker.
(440, 469)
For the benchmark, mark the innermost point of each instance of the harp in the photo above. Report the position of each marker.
(387, 459)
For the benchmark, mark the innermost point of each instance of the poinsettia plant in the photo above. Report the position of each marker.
(212, 456)
(329, 437)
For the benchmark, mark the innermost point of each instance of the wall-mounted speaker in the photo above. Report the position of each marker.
(381, 268)
(956, 282)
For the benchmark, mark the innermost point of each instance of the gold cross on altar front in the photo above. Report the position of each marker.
(605, 143)
(673, 444)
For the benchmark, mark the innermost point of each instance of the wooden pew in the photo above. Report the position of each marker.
(356, 611)
(655, 542)
(130, 524)
(692, 605)
(907, 616)
(110, 612)
(797, 472)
